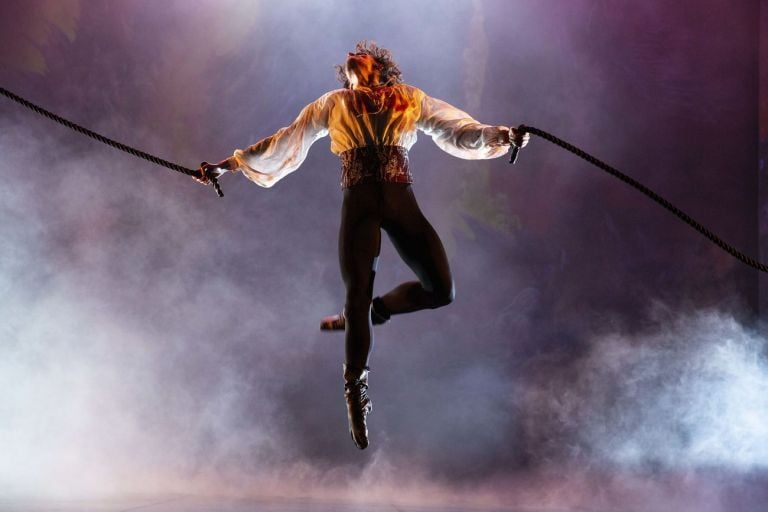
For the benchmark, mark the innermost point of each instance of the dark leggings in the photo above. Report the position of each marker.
(368, 208)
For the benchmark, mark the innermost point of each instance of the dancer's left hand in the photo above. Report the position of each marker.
(208, 171)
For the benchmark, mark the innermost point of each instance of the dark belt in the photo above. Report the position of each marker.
(383, 164)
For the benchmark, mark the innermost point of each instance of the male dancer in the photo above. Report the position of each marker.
(372, 124)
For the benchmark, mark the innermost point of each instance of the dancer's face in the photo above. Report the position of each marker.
(362, 70)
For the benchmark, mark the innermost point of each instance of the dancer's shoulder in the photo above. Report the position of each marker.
(411, 90)
(334, 94)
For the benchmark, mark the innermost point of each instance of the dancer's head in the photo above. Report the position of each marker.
(368, 65)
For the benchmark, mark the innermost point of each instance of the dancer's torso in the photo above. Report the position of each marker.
(382, 116)
(371, 130)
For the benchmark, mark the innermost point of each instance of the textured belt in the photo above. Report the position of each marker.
(382, 164)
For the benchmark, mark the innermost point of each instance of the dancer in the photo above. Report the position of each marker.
(372, 123)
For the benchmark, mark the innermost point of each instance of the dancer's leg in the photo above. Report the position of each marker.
(359, 245)
(420, 247)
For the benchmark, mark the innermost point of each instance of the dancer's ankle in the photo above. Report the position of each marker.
(379, 312)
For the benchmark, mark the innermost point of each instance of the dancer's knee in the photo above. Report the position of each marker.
(444, 296)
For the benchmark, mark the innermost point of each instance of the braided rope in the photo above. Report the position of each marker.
(648, 192)
(524, 129)
(106, 140)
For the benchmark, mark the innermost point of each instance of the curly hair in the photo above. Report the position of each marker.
(388, 71)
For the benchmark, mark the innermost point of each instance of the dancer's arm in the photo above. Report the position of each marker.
(274, 157)
(457, 133)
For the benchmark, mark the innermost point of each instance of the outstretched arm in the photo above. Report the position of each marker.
(274, 157)
(457, 133)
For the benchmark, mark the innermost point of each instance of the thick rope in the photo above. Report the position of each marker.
(648, 192)
(523, 129)
(106, 140)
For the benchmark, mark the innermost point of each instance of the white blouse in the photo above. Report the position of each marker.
(358, 117)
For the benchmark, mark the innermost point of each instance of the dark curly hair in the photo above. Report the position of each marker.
(388, 70)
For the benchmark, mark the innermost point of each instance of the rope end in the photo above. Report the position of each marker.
(217, 187)
(513, 154)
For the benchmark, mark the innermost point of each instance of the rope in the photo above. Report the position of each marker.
(105, 140)
(522, 128)
(648, 192)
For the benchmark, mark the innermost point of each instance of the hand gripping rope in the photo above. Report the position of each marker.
(117, 145)
(513, 157)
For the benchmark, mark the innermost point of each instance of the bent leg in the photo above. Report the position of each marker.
(420, 247)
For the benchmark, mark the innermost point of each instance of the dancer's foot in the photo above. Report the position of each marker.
(333, 322)
(358, 403)
(379, 315)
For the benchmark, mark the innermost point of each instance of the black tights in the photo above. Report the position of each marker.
(368, 208)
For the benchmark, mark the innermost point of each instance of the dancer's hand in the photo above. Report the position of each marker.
(519, 139)
(501, 136)
(208, 171)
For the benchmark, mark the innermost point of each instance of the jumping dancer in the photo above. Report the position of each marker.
(372, 124)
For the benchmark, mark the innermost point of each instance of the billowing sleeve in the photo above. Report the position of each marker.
(457, 133)
(274, 157)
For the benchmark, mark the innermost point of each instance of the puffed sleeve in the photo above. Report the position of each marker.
(457, 133)
(274, 157)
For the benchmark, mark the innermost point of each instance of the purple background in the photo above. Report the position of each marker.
(599, 351)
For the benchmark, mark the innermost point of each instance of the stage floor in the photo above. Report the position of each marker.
(195, 504)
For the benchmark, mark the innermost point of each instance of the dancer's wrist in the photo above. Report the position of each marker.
(228, 164)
